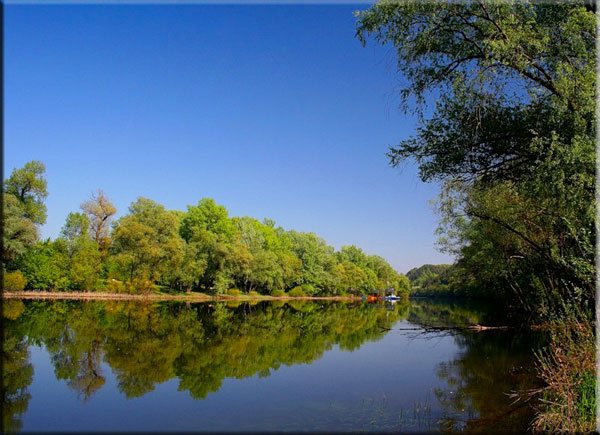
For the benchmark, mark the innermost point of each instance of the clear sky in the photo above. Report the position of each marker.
(273, 111)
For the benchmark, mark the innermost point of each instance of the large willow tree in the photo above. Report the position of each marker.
(511, 136)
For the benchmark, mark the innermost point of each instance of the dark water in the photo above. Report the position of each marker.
(131, 366)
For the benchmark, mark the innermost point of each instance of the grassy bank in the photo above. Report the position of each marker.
(568, 368)
(187, 297)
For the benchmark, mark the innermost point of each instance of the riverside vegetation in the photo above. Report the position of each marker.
(151, 248)
(511, 137)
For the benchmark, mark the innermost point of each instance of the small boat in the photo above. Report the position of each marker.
(391, 298)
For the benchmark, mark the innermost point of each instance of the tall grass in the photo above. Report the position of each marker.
(568, 368)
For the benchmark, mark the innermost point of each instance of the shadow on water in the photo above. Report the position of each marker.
(201, 345)
(489, 366)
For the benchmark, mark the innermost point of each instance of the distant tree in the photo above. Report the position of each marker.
(269, 222)
(319, 265)
(351, 276)
(85, 266)
(415, 274)
(99, 211)
(76, 226)
(179, 214)
(208, 226)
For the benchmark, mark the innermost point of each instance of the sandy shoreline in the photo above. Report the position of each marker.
(192, 297)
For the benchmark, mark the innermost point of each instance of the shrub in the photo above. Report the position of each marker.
(139, 286)
(253, 293)
(14, 281)
(308, 289)
(234, 292)
(12, 308)
(277, 292)
(114, 286)
(46, 266)
(296, 292)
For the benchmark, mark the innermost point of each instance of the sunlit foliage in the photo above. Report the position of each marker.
(151, 248)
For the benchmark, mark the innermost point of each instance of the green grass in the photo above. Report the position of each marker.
(586, 397)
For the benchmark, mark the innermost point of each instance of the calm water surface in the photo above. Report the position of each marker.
(131, 366)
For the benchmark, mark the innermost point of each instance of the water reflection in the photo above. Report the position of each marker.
(488, 362)
(201, 345)
(17, 371)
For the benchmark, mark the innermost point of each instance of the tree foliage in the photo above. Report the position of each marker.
(23, 209)
(19, 233)
(29, 187)
(511, 137)
(202, 248)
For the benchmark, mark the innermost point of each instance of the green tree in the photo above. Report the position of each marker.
(207, 216)
(29, 186)
(85, 258)
(146, 242)
(23, 206)
(208, 226)
(19, 233)
(319, 265)
(192, 267)
(46, 266)
(511, 135)
(75, 227)
(85, 271)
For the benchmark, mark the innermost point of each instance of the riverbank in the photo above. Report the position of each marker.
(184, 297)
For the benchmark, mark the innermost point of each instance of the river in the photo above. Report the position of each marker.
(297, 366)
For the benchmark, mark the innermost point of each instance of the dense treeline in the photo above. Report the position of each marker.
(432, 280)
(419, 274)
(200, 249)
(512, 139)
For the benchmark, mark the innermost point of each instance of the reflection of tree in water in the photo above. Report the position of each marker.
(17, 372)
(432, 312)
(201, 344)
(76, 349)
(88, 378)
(490, 364)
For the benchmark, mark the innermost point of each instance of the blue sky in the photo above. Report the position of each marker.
(273, 111)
